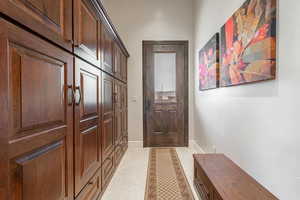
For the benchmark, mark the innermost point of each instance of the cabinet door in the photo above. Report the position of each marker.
(50, 18)
(87, 31)
(108, 116)
(40, 131)
(125, 110)
(107, 50)
(123, 67)
(87, 123)
(117, 61)
(118, 111)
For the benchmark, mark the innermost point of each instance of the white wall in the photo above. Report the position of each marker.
(256, 125)
(138, 20)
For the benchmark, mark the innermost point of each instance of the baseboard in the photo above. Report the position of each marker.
(196, 146)
(136, 144)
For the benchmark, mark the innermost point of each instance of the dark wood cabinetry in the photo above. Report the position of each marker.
(107, 50)
(49, 18)
(63, 99)
(87, 122)
(218, 178)
(87, 32)
(38, 131)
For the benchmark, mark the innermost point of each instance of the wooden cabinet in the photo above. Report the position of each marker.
(63, 118)
(118, 110)
(216, 178)
(108, 167)
(37, 137)
(123, 67)
(50, 18)
(107, 115)
(93, 189)
(87, 122)
(107, 50)
(117, 62)
(87, 32)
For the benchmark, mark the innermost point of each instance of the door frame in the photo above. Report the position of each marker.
(185, 43)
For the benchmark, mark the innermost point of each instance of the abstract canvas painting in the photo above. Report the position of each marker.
(248, 44)
(209, 64)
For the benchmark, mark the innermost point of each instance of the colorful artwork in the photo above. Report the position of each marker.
(209, 64)
(248, 44)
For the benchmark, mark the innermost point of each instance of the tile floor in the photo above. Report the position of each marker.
(129, 180)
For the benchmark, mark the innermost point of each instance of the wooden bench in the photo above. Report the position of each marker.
(217, 178)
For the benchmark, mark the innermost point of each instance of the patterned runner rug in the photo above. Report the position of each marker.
(166, 179)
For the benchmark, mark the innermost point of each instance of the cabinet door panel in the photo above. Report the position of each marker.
(117, 61)
(108, 116)
(87, 32)
(118, 111)
(50, 18)
(123, 67)
(107, 50)
(40, 132)
(34, 174)
(87, 123)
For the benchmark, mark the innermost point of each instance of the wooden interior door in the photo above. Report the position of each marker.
(50, 18)
(165, 74)
(87, 32)
(38, 92)
(87, 123)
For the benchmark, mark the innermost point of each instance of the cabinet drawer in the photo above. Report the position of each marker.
(118, 153)
(92, 189)
(107, 169)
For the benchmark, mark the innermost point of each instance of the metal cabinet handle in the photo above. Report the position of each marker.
(80, 97)
(70, 94)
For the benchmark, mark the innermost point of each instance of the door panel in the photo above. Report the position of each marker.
(87, 123)
(35, 175)
(123, 67)
(87, 32)
(108, 116)
(117, 61)
(41, 115)
(165, 93)
(118, 110)
(50, 18)
(107, 50)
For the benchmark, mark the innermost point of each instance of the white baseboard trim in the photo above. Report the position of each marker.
(196, 146)
(136, 144)
(192, 143)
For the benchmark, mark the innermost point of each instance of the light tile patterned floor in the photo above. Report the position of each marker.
(129, 181)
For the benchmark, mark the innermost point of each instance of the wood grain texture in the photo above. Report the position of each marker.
(87, 32)
(218, 178)
(50, 18)
(87, 123)
(48, 88)
(34, 123)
